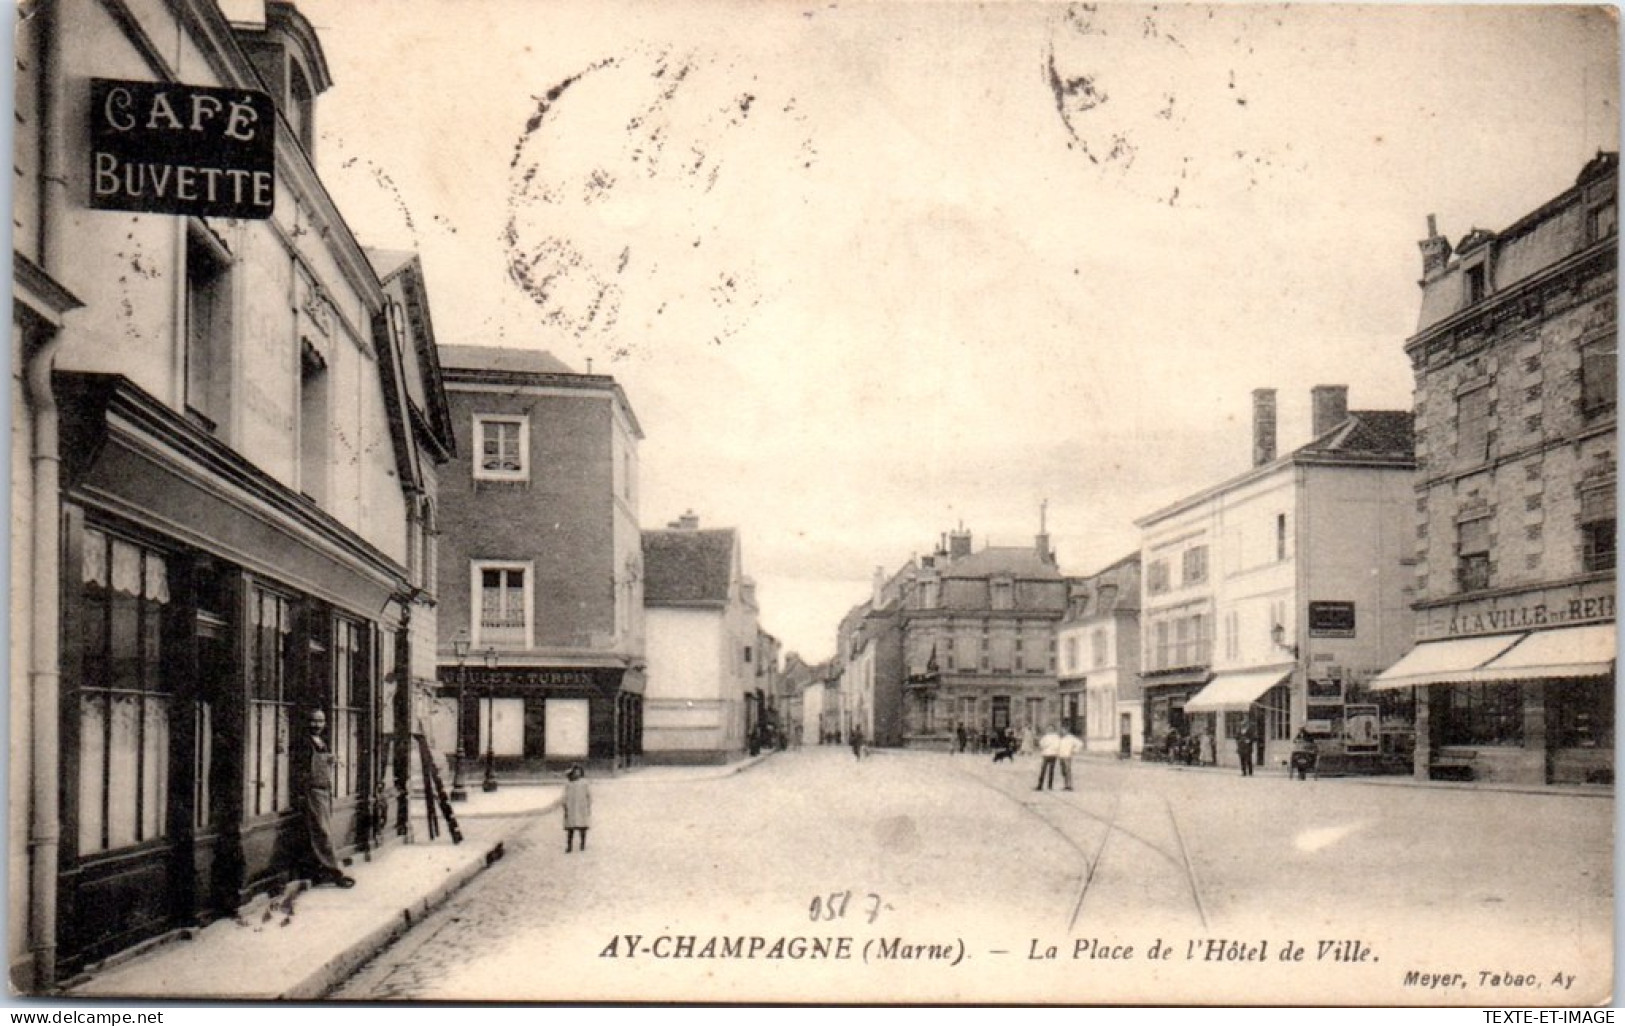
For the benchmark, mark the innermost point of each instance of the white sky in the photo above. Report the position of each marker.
(868, 270)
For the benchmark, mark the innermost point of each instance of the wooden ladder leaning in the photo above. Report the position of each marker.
(434, 794)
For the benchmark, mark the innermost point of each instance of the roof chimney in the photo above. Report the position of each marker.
(958, 544)
(1041, 541)
(689, 521)
(879, 586)
(1263, 426)
(1330, 404)
(1435, 251)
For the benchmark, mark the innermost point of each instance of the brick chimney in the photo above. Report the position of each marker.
(1435, 251)
(958, 544)
(1263, 426)
(1330, 404)
(689, 521)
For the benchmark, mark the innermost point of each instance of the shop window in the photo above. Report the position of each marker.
(1473, 554)
(502, 450)
(208, 330)
(1581, 712)
(352, 688)
(125, 704)
(270, 703)
(1482, 714)
(503, 597)
(1277, 707)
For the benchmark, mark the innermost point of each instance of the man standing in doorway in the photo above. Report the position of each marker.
(325, 866)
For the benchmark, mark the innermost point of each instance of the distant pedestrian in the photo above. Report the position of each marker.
(1049, 746)
(577, 808)
(1244, 748)
(1066, 748)
(1029, 740)
(961, 738)
(857, 742)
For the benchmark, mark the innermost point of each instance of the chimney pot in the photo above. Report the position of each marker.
(1263, 426)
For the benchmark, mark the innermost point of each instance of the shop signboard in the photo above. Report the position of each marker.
(183, 150)
(1331, 619)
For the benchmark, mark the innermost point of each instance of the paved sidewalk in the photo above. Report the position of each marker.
(299, 946)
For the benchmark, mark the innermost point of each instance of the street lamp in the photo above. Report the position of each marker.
(490, 783)
(459, 647)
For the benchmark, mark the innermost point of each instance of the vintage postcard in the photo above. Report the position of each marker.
(818, 503)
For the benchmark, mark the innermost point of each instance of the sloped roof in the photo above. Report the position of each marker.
(501, 358)
(1364, 438)
(688, 567)
(1017, 561)
(386, 262)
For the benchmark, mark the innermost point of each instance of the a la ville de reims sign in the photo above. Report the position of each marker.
(167, 148)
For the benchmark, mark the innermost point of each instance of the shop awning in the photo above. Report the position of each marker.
(1456, 661)
(1237, 690)
(1566, 652)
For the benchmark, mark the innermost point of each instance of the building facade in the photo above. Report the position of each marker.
(1515, 360)
(1279, 594)
(978, 641)
(219, 537)
(1098, 653)
(541, 570)
(702, 645)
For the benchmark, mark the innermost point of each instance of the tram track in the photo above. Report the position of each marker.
(1063, 812)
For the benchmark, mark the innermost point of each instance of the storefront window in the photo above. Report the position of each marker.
(124, 703)
(1581, 712)
(270, 705)
(1482, 714)
(352, 684)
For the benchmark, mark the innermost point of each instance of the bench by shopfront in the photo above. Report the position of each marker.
(1453, 764)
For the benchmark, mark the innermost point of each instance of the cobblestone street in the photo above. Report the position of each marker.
(952, 880)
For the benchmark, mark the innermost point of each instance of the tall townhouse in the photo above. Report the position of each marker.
(1279, 594)
(979, 640)
(1515, 357)
(1098, 649)
(703, 637)
(541, 628)
(223, 447)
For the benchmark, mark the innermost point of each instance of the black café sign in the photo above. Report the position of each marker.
(166, 148)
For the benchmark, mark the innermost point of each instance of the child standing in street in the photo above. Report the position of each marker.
(577, 808)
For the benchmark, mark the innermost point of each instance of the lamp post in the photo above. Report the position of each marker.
(490, 783)
(459, 647)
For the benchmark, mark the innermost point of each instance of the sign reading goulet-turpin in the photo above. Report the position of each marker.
(166, 148)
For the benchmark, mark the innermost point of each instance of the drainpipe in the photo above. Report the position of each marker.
(44, 673)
